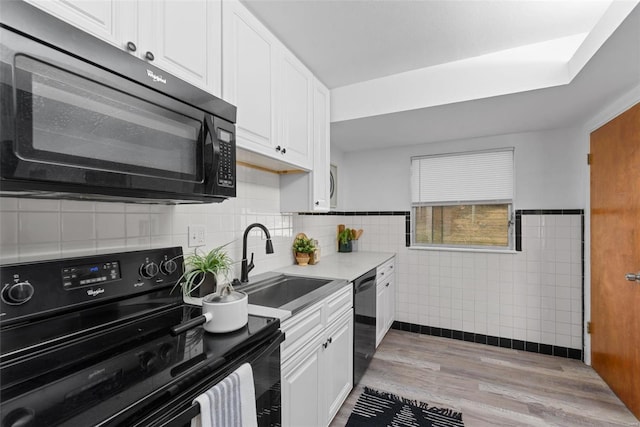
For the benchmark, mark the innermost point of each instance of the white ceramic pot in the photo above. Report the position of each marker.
(225, 313)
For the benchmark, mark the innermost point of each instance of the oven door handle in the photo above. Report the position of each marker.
(193, 411)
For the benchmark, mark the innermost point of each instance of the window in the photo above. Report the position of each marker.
(463, 200)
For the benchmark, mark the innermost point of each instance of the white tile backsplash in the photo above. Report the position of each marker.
(32, 229)
(38, 227)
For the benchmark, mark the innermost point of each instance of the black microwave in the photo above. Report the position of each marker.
(83, 119)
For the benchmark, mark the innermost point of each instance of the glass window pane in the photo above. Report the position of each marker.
(462, 225)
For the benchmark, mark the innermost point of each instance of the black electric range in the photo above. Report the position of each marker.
(85, 341)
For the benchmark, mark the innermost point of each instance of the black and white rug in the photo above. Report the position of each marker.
(378, 408)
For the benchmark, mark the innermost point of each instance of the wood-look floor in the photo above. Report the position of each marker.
(492, 386)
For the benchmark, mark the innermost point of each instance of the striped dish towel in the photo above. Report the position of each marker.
(230, 403)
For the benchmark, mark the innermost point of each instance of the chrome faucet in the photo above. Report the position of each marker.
(247, 267)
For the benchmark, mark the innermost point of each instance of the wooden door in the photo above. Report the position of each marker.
(615, 251)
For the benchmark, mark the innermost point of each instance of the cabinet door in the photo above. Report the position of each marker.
(185, 39)
(295, 112)
(381, 310)
(248, 53)
(95, 17)
(301, 388)
(390, 304)
(338, 365)
(321, 147)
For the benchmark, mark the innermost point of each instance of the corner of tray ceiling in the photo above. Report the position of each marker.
(536, 66)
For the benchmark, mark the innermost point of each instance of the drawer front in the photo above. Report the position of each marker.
(384, 271)
(339, 303)
(300, 329)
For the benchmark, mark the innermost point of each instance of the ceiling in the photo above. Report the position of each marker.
(347, 42)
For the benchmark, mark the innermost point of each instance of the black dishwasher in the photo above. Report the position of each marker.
(364, 338)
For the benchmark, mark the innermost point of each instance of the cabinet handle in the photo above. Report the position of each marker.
(284, 150)
(149, 56)
(131, 47)
(325, 344)
(317, 203)
(330, 340)
(387, 285)
(278, 148)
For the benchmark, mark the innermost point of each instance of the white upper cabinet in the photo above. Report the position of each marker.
(321, 148)
(183, 38)
(310, 192)
(295, 111)
(98, 18)
(271, 88)
(249, 77)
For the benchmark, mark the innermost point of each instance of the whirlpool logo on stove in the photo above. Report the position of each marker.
(155, 77)
(95, 292)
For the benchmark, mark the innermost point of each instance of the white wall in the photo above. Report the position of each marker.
(534, 295)
(549, 171)
(46, 229)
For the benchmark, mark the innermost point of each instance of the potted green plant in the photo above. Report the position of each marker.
(344, 240)
(203, 270)
(303, 247)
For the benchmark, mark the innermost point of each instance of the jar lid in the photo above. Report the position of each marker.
(225, 295)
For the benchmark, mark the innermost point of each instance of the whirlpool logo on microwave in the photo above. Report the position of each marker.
(156, 78)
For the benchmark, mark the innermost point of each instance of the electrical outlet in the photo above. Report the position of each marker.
(196, 236)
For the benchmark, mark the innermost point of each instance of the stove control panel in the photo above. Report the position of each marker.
(39, 288)
(88, 275)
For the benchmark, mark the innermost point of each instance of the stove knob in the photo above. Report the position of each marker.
(18, 293)
(149, 271)
(20, 417)
(168, 267)
(149, 361)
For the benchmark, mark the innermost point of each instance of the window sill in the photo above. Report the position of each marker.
(470, 250)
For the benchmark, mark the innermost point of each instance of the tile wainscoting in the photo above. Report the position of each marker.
(533, 296)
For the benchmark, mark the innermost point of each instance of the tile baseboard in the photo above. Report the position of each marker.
(532, 347)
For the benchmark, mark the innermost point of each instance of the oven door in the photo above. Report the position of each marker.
(265, 363)
(69, 126)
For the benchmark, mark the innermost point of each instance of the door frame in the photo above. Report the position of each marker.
(605, 115)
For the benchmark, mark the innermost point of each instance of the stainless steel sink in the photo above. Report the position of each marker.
(282, 289)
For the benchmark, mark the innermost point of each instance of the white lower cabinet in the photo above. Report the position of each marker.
(385, 299)
(338, 365)
(318, 375)
(301, 391)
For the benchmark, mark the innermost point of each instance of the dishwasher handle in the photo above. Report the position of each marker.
(364, 282)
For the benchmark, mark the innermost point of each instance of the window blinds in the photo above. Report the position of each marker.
(462, 177)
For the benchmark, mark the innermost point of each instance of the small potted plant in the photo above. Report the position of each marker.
(344, 240)
(203, 270)
(303, 247)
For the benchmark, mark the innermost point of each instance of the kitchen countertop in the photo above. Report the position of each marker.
(347, 266)
(343, 267)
